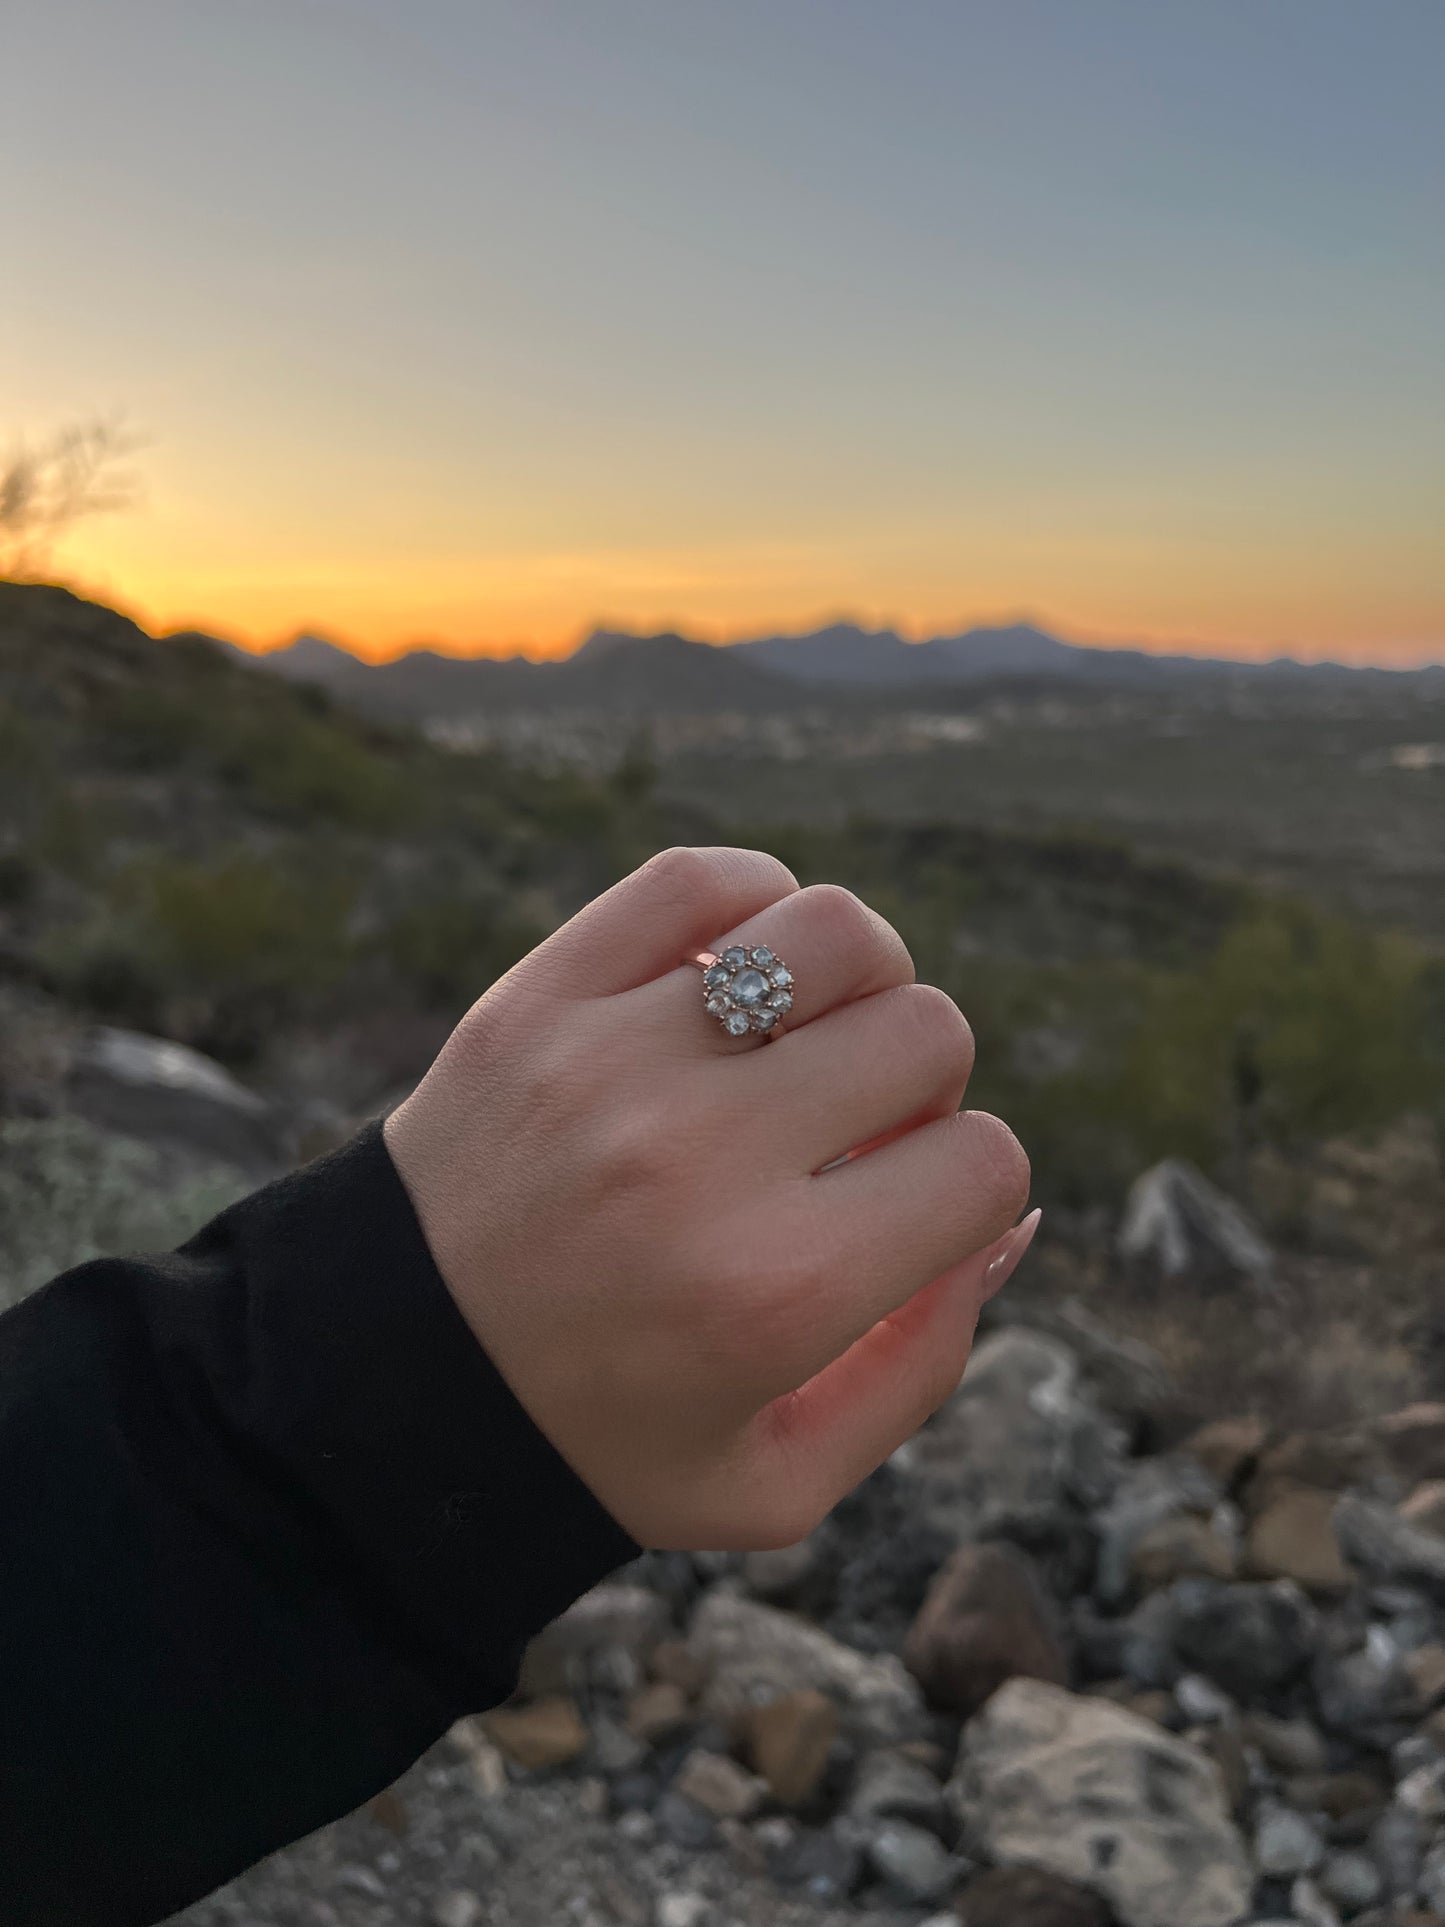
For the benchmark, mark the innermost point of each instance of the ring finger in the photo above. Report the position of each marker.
(834, 947)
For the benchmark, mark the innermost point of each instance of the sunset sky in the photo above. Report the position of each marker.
(476, 324)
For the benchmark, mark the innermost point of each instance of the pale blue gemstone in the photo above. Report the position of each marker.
(737, 1023)
(749, 987)
(762, 956)
(734, 955)
(765, 1019)
(781, 974)
(715, 977)
(781, 1000)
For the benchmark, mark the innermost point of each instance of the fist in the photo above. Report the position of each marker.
(719, 1325)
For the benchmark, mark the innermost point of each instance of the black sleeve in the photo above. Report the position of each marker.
(270, 1520)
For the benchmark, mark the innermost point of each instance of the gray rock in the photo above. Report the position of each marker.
(911, 1861)
(1431, 1885)
(1176, 1222)
(1253, 1639)
(1397, 1846)
(602, 1640)
(1202, 1702)
(1350, 1880)
(1286, 1843)
(154, 1088)
(1423, 1792)
(890, 1785)
(1310, 1906)
(1376, 1541)
(682, 1908)
(755, 1653)
(1151, 1491)
(1366, 1693)
(683, 1822)
(611, 1748)
(1021, 1439)
(780, 1573)
(456, 1908)
(1105, 1799)
(826, 1864)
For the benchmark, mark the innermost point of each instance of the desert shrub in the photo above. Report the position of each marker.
(445, 951)
(222, 955)
(284, 755)
(69, 1193)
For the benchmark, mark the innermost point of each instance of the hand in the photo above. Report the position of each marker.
(719, 1336)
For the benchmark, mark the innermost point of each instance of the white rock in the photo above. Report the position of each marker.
(1175, 1219)
(1106, 1799)
(152, 1087)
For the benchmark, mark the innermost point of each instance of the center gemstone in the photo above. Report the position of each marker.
(750, 987)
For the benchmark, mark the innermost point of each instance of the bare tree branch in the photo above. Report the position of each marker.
(44, 490)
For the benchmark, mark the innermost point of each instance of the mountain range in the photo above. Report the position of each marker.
(618, 672)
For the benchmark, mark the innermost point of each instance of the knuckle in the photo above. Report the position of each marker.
(944, 1034)
(845, 923)
(701, 873)
(639, 1153)
(685, 872)
(1001, 1160)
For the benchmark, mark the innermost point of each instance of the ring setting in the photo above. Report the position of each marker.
(748, 988)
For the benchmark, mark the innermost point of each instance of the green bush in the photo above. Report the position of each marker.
(69, 1193)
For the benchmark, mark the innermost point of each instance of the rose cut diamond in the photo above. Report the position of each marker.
(749, 987)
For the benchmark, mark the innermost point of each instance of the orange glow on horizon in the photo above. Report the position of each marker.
(542, 608)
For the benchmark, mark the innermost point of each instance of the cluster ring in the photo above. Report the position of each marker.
(748, 989)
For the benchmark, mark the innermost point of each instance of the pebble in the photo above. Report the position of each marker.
(456, 1908)
(912, 1861)
(1310, 1907)
(683, 1822)
(719, 1785)
(682, 1909)
(1200, 1701)
(1351, 1880)
(1286, 1843)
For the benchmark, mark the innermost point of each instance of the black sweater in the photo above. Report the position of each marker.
(270, 1521)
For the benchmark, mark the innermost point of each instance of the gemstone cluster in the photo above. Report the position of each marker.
(748, 989)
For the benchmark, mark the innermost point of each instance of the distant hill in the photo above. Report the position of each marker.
(617, 673)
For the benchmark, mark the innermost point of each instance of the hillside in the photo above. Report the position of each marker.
(195, 848)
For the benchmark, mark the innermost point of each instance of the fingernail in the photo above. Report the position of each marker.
(1007, 1261)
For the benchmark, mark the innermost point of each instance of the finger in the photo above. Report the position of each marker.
(645, 924)
(861, 1071)
(873, 1231)
(846, 1420)
(834, 947)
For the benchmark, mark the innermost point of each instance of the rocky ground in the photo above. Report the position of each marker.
(1071, 1659)
(1026, 1676)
